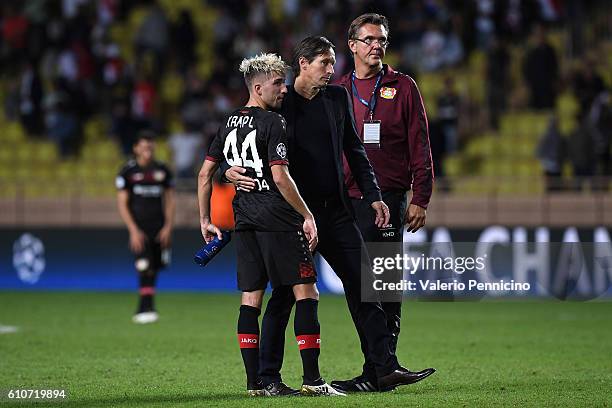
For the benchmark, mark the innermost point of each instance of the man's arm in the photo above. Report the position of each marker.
(137, 237)
(165, 234)
(419, 153)
(289, 191)
(204, 193)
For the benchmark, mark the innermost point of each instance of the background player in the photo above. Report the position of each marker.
(146, 204)
(275, 230)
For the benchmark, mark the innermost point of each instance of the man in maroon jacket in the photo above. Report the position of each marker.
(391, 121)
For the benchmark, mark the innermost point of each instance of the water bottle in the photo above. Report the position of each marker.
(208, 251)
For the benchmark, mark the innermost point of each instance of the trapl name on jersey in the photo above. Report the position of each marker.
(239, 121)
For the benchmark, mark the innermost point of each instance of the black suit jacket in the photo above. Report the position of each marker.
(338, 106)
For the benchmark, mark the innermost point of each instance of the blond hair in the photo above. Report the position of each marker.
(263, 63)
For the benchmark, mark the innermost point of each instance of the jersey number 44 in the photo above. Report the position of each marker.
(230, 151)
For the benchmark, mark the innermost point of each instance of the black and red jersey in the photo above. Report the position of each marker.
(255, 139)
(146, 187)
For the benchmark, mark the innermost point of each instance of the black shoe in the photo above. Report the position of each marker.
(279, 389)
(403, 376)
(360, 383)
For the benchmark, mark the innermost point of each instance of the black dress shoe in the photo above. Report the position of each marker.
(403, 376)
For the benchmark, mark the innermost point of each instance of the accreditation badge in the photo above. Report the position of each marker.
(371, 133)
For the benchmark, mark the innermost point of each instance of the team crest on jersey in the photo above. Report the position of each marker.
(388, 93)
(137, 177)
(159, 175)
(281, 150)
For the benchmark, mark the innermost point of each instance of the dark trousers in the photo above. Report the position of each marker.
(393, 232)
(342, 246)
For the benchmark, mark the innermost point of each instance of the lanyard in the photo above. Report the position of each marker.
(371, 105)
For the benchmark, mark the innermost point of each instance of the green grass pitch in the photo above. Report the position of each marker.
(496, 353)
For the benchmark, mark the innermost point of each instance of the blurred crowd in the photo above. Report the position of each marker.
(61, 67)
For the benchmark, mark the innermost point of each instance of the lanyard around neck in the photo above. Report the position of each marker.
(371, 105)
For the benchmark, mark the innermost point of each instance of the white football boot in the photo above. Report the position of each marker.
(145, 317)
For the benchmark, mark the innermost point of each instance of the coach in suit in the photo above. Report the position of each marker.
(320, 130)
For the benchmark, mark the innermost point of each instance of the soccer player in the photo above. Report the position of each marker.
(320, 132)
(275, 230)
(398, 149)
(145, 199)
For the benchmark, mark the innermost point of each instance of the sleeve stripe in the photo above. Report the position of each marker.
(212, 159)
(275, 162)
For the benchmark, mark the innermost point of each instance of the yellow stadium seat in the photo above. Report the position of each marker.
(45, 152)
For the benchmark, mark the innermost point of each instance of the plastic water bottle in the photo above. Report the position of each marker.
(210, 250)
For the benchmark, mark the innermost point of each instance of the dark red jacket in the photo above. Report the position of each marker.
(404, 157)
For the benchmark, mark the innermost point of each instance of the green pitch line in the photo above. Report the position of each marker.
(487, 354)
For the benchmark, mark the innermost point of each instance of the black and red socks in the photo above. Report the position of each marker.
(248, 340)
(147, 292)
(308, 336)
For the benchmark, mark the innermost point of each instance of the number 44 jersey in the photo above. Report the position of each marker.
(255, 139)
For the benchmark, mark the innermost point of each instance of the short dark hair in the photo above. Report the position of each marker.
(146, 134)
(309, 48)
(368, 18)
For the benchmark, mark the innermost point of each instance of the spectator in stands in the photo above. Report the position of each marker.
(514, 19)
(448, 114)
(184, 41)
(432, 46)
(14, 30)
(186, 151)
(497, 80)
(551, 152)
(599, 122)
(587, 84)
(30, 99)
(452, 53)
(144, 103)
(152, 40)
(62, 125)
(582, 154)
(484, 24)
(541, 71)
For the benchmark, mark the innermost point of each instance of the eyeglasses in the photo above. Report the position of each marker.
(383, 42)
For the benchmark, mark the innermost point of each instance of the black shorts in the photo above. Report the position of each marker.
(152, 256)
(281, 258)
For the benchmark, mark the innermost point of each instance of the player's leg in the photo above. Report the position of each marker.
(288, 262)
(252, 281)
(273, 327)
(308, 336)
(147, 266)
(307, 330)
(248, 338)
